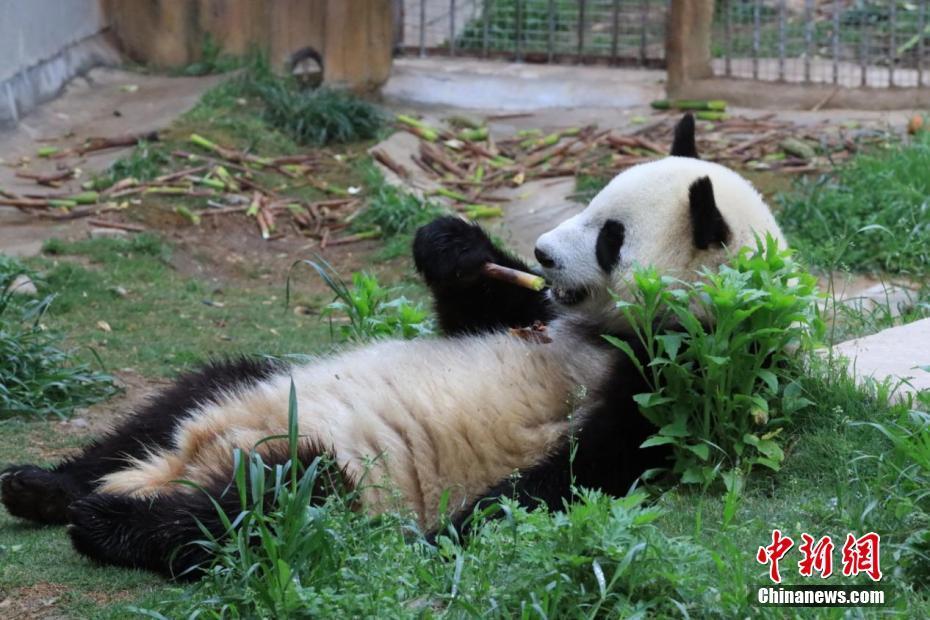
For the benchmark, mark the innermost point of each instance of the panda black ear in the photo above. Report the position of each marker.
(684, 144)
(707, 224)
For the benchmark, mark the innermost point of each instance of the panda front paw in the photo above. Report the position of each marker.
(450, 251)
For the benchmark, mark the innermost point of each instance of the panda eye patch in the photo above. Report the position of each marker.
(609, 242)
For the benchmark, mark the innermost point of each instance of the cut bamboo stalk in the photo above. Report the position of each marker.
(514, 276)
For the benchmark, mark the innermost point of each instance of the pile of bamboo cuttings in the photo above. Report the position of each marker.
(768, 143)
(469, 166)
(220, 181)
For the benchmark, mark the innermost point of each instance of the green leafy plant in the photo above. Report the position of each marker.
(366, 310)
(720, 360)
(37, 377)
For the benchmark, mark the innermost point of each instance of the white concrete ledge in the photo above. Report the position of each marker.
(895, 354)
(510, 86)
(43, 81)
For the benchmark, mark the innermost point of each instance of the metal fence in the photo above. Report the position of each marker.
(591, 31)
(843, 42)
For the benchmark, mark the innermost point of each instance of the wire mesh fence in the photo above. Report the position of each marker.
(842, 42)
(611, 31)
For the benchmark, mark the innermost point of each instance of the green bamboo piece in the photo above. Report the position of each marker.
(193, 218)
(448, 193)
(423, 130)
(478, 212)
(714, 105)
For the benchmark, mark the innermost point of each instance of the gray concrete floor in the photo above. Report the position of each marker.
(104, 103)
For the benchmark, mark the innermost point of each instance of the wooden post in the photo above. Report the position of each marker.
(355, 37)
(359, 43)
(687, 44)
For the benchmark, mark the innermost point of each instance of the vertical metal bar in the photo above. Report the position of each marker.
(863, 58)
(582, 6)
(893, 51)
(756, 36)
(808, 38)
(643, 28)
(519, 31)
(551, 31)
(782, 33)
(452, 27)
(615, 33)
(486, 28)
(422, 28)
(921, 35)
(836, 41)
(728, 38)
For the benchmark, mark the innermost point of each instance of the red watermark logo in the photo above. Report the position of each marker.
(859, 555)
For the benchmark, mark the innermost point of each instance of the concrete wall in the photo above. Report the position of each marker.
(43, 44)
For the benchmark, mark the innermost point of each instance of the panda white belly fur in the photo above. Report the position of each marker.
(419, 418)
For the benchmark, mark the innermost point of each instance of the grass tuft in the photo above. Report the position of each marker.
(38, 377)
(318, 117)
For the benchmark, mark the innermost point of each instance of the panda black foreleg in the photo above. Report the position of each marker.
(450, 254)
(548, 483)
(43, 495)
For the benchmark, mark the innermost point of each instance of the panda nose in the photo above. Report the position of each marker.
(544, 259)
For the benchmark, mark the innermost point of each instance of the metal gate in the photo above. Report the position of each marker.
(620, 32)
(843, 42)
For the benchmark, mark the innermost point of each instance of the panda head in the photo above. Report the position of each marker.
(676, 214)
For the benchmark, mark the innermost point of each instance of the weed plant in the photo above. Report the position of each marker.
(722, 358)
(212, 60)
(366, 310)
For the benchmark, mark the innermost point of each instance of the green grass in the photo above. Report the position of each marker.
(33, 556)
(856, 464)
(39, 375)
(870, 215)
(319, 117)
(212, 60)
(164, 321)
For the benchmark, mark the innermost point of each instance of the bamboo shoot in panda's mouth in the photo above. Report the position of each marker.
(514, 276)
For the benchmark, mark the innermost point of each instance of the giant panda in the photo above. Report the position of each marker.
(406, 422)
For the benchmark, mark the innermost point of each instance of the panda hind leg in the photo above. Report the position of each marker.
(36, 494)
(43, 495)
(164, 533)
